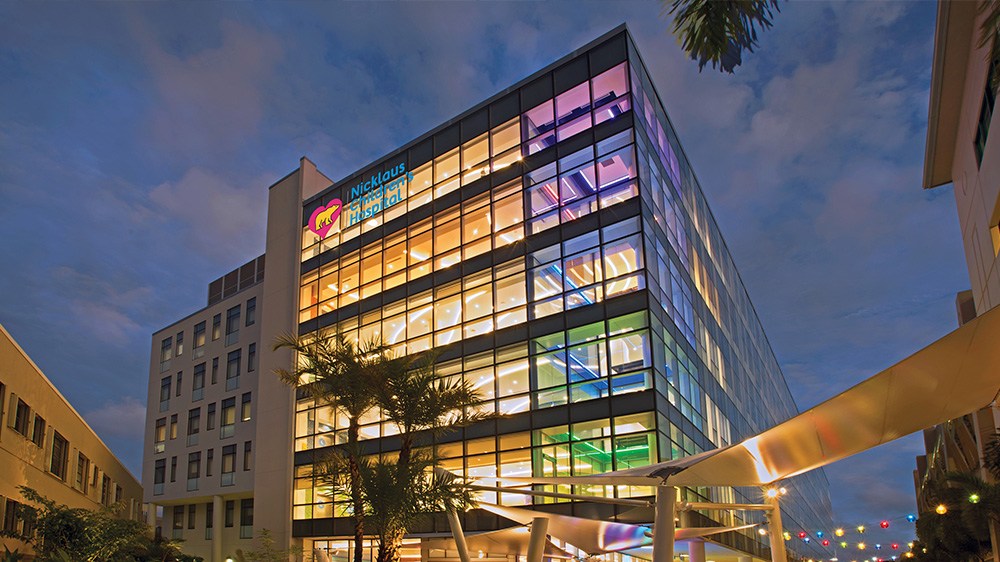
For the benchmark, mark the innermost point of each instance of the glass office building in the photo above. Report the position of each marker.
(555, 243)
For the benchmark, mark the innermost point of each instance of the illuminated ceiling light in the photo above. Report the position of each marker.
(772, 493)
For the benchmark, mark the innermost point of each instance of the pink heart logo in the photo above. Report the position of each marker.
(325, 218)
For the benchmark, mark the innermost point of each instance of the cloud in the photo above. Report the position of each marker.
(219, 221)
(125, 417)
(210, 101)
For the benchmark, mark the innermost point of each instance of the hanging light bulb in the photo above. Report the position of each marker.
(911, 518)
(884, 524)
(787, 535)
(805, 539)
(819, 534)
(878, 547)
(974, 498)
(762, 531)
(826, 542)
(861, 528)
(941, 509)
(839, 532)
(802, 534)
(843, 544)
(861, 546)
(895, 546)
(909, 545)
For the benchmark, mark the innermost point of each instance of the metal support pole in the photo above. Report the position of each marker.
(536, 541)
(775, 531)
(696, 551)
(663, 524)
(456, 531)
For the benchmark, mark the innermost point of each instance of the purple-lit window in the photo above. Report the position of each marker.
(616, 168)
(610, 85)
(577, 184)
(538, 120)
(543, 197)
(573, 111)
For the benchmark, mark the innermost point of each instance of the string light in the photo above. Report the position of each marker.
(974, 498)
(826, 542)
(861, 528)
(843, 544)
(884, 524)
(861, 546)
(839, 532)
(941, 509)
(911, 518)
(802, 534)
(895, 546)
(819, 534)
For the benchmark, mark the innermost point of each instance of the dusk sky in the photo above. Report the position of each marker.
(115, 118)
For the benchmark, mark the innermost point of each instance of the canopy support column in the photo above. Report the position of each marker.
(456, 532)
(663, 524)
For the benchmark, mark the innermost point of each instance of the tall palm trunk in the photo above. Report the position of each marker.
(353, 430)
(388, 546)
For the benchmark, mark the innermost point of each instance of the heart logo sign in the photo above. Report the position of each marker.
(325, 218)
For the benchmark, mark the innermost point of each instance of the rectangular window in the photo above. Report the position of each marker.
(209, 461)
(199, 340)
(209, 516)
(21, 417)
(10, 516)
(198, 383)
(251, 311)
(173, 426)
(985, 113)
(216, 327)
(215, 370)
(245, 408)
(228, 421)
(82, 469)
(165, 394)
(246, 518)
(166, 347)
(173, 469)
(211, 417)
(247, 455)
(192, 512)
(252, 358)
(159, 476)
(179, 349)
(180, 377)
(160, 436)
(229, 466)
(230, 512)
(233, 370)
(194, 426)
(60, 454)
(106, 490)
(194, 471)
(38, 431)
(178, 522)
(233, 325)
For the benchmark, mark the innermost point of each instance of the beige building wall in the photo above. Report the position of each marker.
(211, 438)
(34, 419)
(958, 86)
(958, 111)
(284, 242)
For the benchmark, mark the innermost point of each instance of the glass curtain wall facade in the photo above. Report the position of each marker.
(554, 242)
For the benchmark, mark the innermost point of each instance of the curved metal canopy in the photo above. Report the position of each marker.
(951, 377)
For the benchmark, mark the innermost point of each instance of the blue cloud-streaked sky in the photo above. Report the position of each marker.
(116, 117)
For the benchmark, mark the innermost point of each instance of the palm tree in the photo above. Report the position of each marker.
(399, 495)
(411, 395)
(717, 32)
(340, 373)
